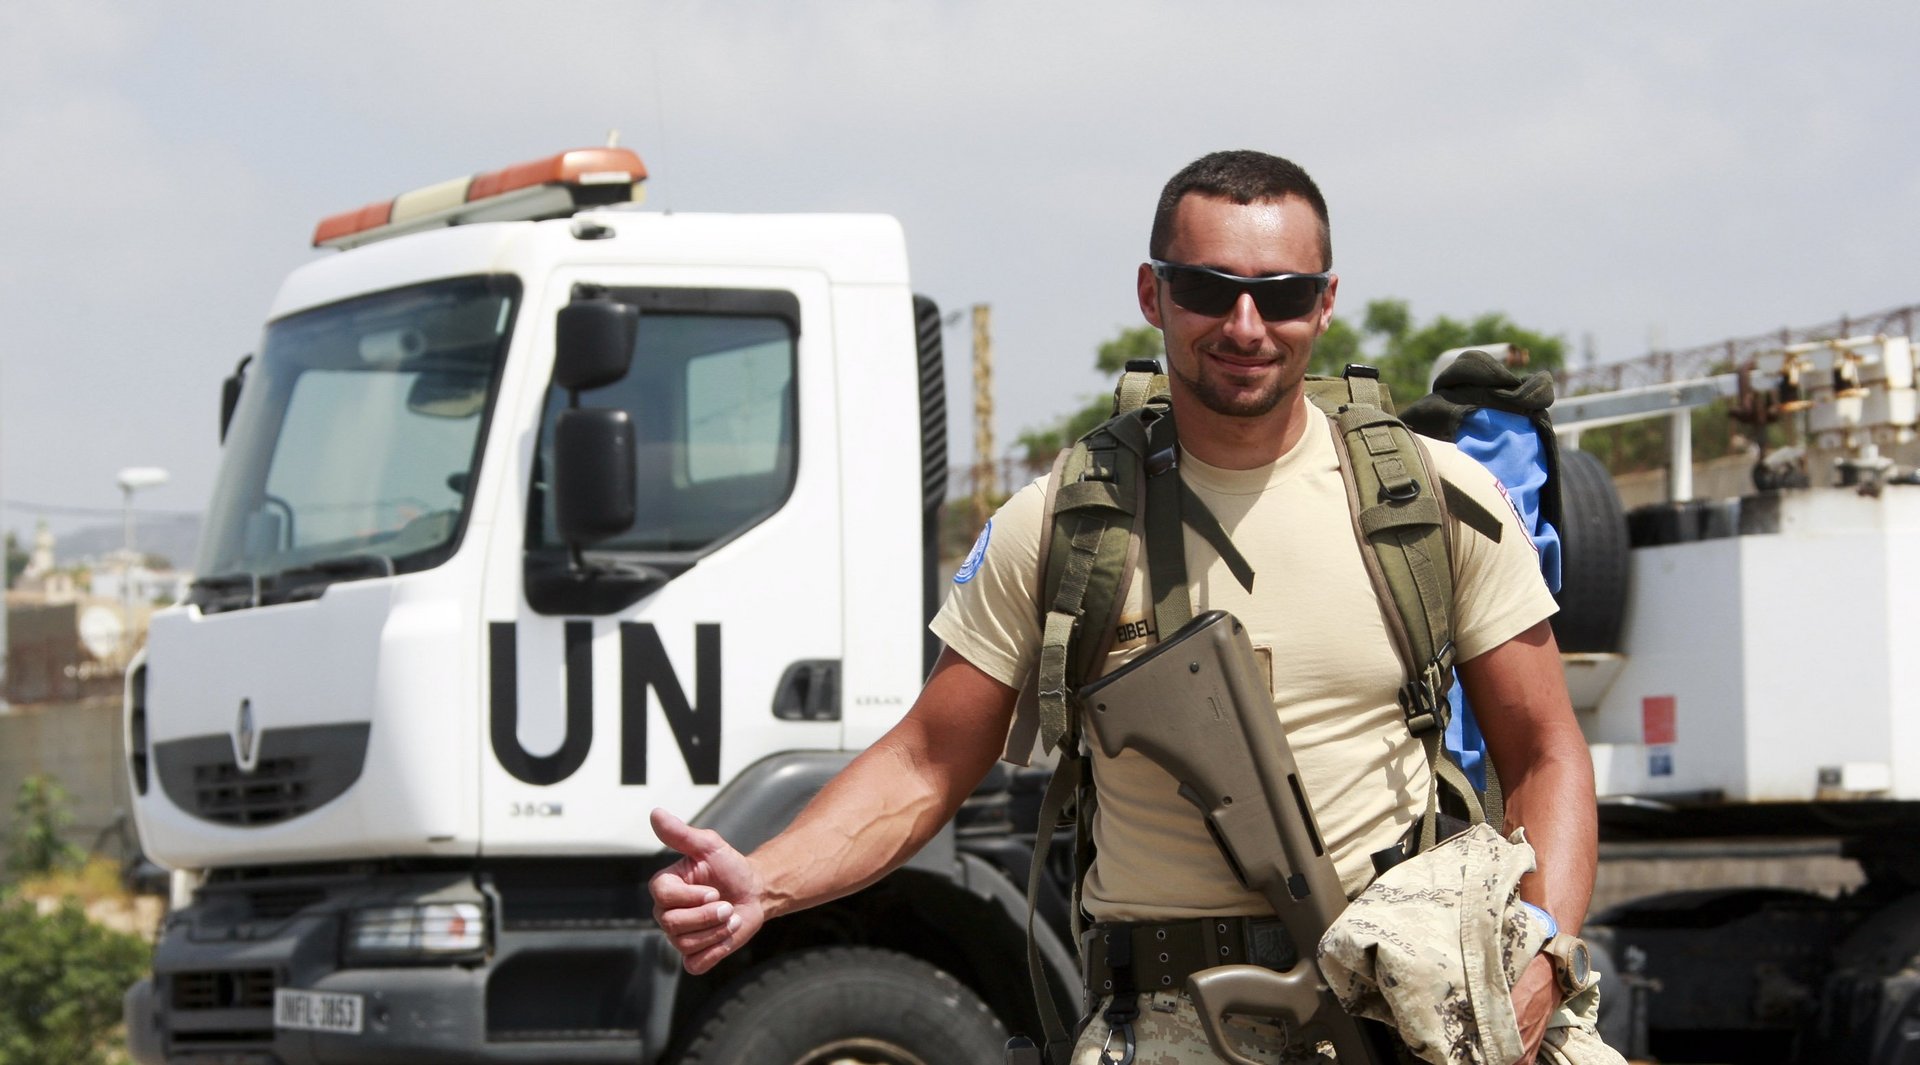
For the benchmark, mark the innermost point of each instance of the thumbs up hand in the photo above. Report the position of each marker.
(709, 902)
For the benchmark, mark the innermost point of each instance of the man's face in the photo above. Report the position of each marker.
(1239, 364)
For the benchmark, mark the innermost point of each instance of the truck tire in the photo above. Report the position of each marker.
(848, 1006)
(1593, 557)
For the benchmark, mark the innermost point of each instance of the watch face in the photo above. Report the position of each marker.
(1580, 964)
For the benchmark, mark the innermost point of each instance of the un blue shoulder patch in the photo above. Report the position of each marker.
(974, 557)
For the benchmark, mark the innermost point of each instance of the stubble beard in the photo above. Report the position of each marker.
(1231, 403)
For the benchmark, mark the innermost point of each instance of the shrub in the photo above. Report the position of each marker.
(40, 815)
(98, 879)
(61, 982)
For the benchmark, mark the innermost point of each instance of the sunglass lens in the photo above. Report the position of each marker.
(1285, 299)
(1202, 292)
(1208, 293)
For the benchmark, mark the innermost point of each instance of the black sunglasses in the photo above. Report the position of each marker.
(1280, 298)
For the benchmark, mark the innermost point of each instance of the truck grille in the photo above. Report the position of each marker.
(239, 989)
(275, 791)
(299, 769)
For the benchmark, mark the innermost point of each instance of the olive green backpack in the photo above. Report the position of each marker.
(1117, 492)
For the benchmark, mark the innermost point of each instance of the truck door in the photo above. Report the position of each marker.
(725, 645)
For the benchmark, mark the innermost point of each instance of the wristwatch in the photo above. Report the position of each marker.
(1572, 963)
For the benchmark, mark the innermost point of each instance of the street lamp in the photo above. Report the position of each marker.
(132, 479)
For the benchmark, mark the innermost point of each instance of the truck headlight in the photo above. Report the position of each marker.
(437, 929)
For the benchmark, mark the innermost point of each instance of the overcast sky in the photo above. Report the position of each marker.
(1641, 174)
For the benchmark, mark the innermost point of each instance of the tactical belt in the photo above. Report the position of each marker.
(1164, 954)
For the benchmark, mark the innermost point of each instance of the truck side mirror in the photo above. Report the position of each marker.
(594, 474)
(230, 394)
(593, 340)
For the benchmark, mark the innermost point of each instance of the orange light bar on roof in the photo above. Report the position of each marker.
(553, 187)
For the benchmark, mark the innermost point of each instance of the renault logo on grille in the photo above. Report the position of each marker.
(246, 739)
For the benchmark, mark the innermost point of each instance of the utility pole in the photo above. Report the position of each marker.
(5, 586)
(985, 483)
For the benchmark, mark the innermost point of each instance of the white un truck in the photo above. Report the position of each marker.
(538, 511)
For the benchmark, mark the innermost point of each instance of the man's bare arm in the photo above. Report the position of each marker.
(1519, 695)
(868, 820)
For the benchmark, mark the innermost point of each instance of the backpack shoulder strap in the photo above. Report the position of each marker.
(1329, 394)
(1398, 517)
(1139, 382)
(1401, 515)
(1023, 735)
(1090, 543)
(1117, 492)
(1090, 547)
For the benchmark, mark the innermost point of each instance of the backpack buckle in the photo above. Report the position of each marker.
(1419, 721)
(1405, 492)
(1424, 698)
(1167, 458)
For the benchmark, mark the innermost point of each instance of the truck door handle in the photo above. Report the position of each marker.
(809, 691)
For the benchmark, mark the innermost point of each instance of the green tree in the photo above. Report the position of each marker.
(61, 982)
(1135, 342)
(17, 558)
(40, 815)
(1406, 350)
(1336, 348)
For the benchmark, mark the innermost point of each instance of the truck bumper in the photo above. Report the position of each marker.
(566, 995)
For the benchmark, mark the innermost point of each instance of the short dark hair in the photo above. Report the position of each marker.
(1242, 176)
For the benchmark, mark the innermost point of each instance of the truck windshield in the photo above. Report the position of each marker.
(356, 438)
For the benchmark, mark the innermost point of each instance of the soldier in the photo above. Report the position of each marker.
(1239, 282)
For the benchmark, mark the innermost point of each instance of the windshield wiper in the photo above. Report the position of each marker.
(298, 583)
(225, 591)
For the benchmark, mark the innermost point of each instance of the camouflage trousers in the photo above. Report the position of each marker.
(1168, 1032)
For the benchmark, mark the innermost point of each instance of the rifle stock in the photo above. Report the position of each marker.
(1199, 707)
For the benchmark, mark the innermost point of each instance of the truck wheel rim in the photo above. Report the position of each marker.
(861, 1051)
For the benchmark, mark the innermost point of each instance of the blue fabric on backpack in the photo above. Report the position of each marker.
(1508, 445)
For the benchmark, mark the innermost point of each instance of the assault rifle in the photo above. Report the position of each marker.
(1199, 707)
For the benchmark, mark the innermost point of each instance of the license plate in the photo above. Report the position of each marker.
(317, 1011)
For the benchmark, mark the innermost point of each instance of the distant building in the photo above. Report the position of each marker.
(70, 632)
(160, 586)
(64, 651)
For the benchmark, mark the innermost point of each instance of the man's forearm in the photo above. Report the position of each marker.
(893, 798)
(1546, 774)
(866, 822)
(1554, 802)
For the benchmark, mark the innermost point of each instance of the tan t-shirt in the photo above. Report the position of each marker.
(1314, 617)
